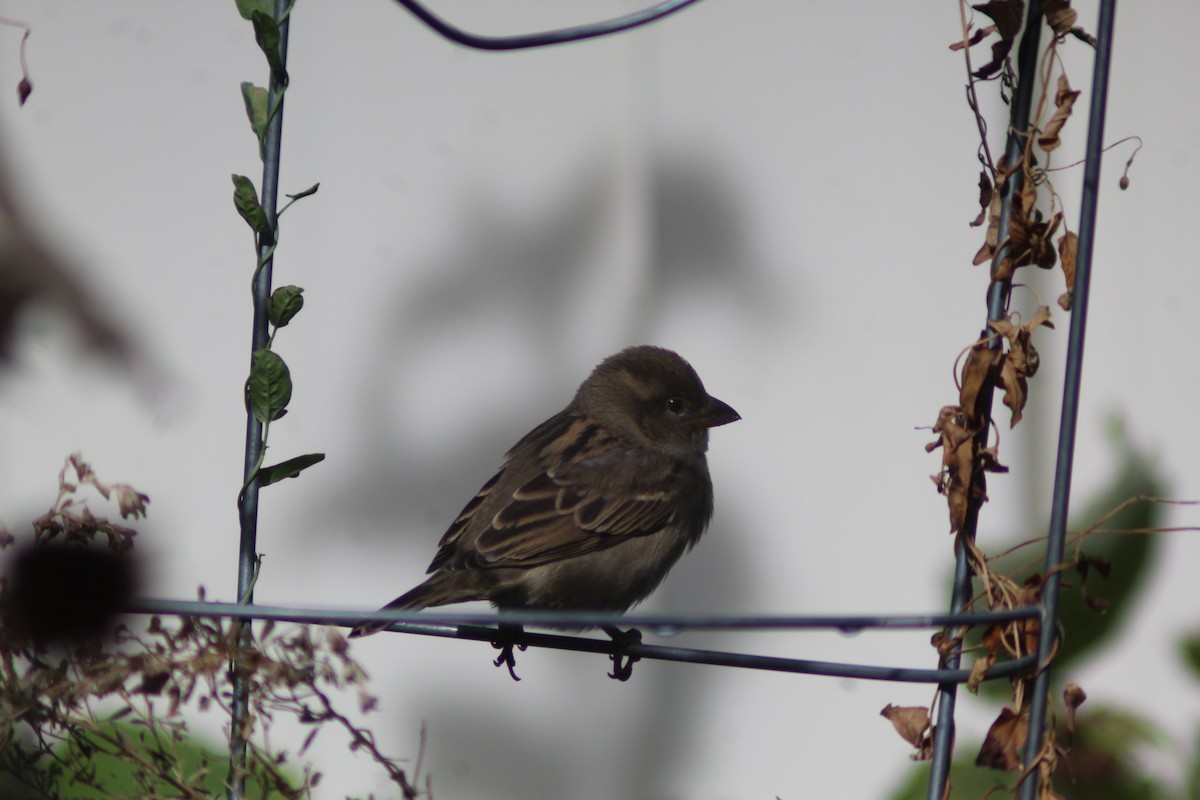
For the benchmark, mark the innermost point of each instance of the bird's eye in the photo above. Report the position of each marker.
(676, 406)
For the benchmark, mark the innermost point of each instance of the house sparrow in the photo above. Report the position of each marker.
(592, 507)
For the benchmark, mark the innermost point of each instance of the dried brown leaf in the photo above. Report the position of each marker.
(1073, 698)
(1086, 564)
(913, 725)
(1005, 739)
(1068, 253)
(1007, 14)
(985, 198)
(987, 251)
(975, 38)
(1064, 101)
(981, 665)
(1060, 16)
(1029, 241)
(958, 465)
(993, 639)
(1028, 630)
(989, 460)
(977, 378)
(1015, 387)
(1021, 361)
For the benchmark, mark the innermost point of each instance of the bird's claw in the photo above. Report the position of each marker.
(622, 661)
(505, 641)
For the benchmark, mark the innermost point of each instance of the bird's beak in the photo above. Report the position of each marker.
(715, 413)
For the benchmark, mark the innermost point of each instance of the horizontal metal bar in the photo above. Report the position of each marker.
(657, 623)
(468, 626)
(722, 658)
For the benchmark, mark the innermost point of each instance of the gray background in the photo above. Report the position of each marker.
(778, 191)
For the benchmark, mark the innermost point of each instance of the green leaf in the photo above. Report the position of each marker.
(1192, 789)
(270, 386)
(255, 99)
(247, 7)
(288, 469)
(246, 200)
(1130, 556)
(310, 190)
(266, 33)
(285, 303)
(1189, 648)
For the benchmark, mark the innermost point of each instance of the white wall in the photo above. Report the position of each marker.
(779, 191)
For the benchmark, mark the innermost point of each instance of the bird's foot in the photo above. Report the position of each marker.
(507, 637)
(622, 661)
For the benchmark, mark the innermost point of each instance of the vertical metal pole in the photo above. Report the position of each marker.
(248, 501)
(1056, 540)
(997, 305)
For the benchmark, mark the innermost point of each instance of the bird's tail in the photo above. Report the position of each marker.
(439, 589)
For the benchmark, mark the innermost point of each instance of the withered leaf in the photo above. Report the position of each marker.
(993, 639)
(987, 251)
(985, 198)
(977, 374)
(958, 462)
(1021, 361)
(1086, 563)
(989, 460)
(1061, 18)
(1004, 742)
(1064, 101)
(944, 642)
(981, 665)
(1029, 629)
(1016, 389)
(1030, 239)
(1073, 698)
(912, 723)
(975, 38)
(1007, 14)
(1068, 252)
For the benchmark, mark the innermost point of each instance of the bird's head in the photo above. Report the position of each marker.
(652, 396)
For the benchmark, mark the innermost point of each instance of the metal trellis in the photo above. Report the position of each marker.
(484, 627)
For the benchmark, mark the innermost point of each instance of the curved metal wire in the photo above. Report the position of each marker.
(485, 627)
(526, 41)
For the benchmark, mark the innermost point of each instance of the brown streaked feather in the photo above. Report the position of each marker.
(563, 513)
(446, 546)
(591, 492)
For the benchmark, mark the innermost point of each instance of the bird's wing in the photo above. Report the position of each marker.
(592, 492)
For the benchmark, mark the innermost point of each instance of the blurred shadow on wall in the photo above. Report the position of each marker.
(519, 281)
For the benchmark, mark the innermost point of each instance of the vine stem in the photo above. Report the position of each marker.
(260, 336)
(998, 295)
